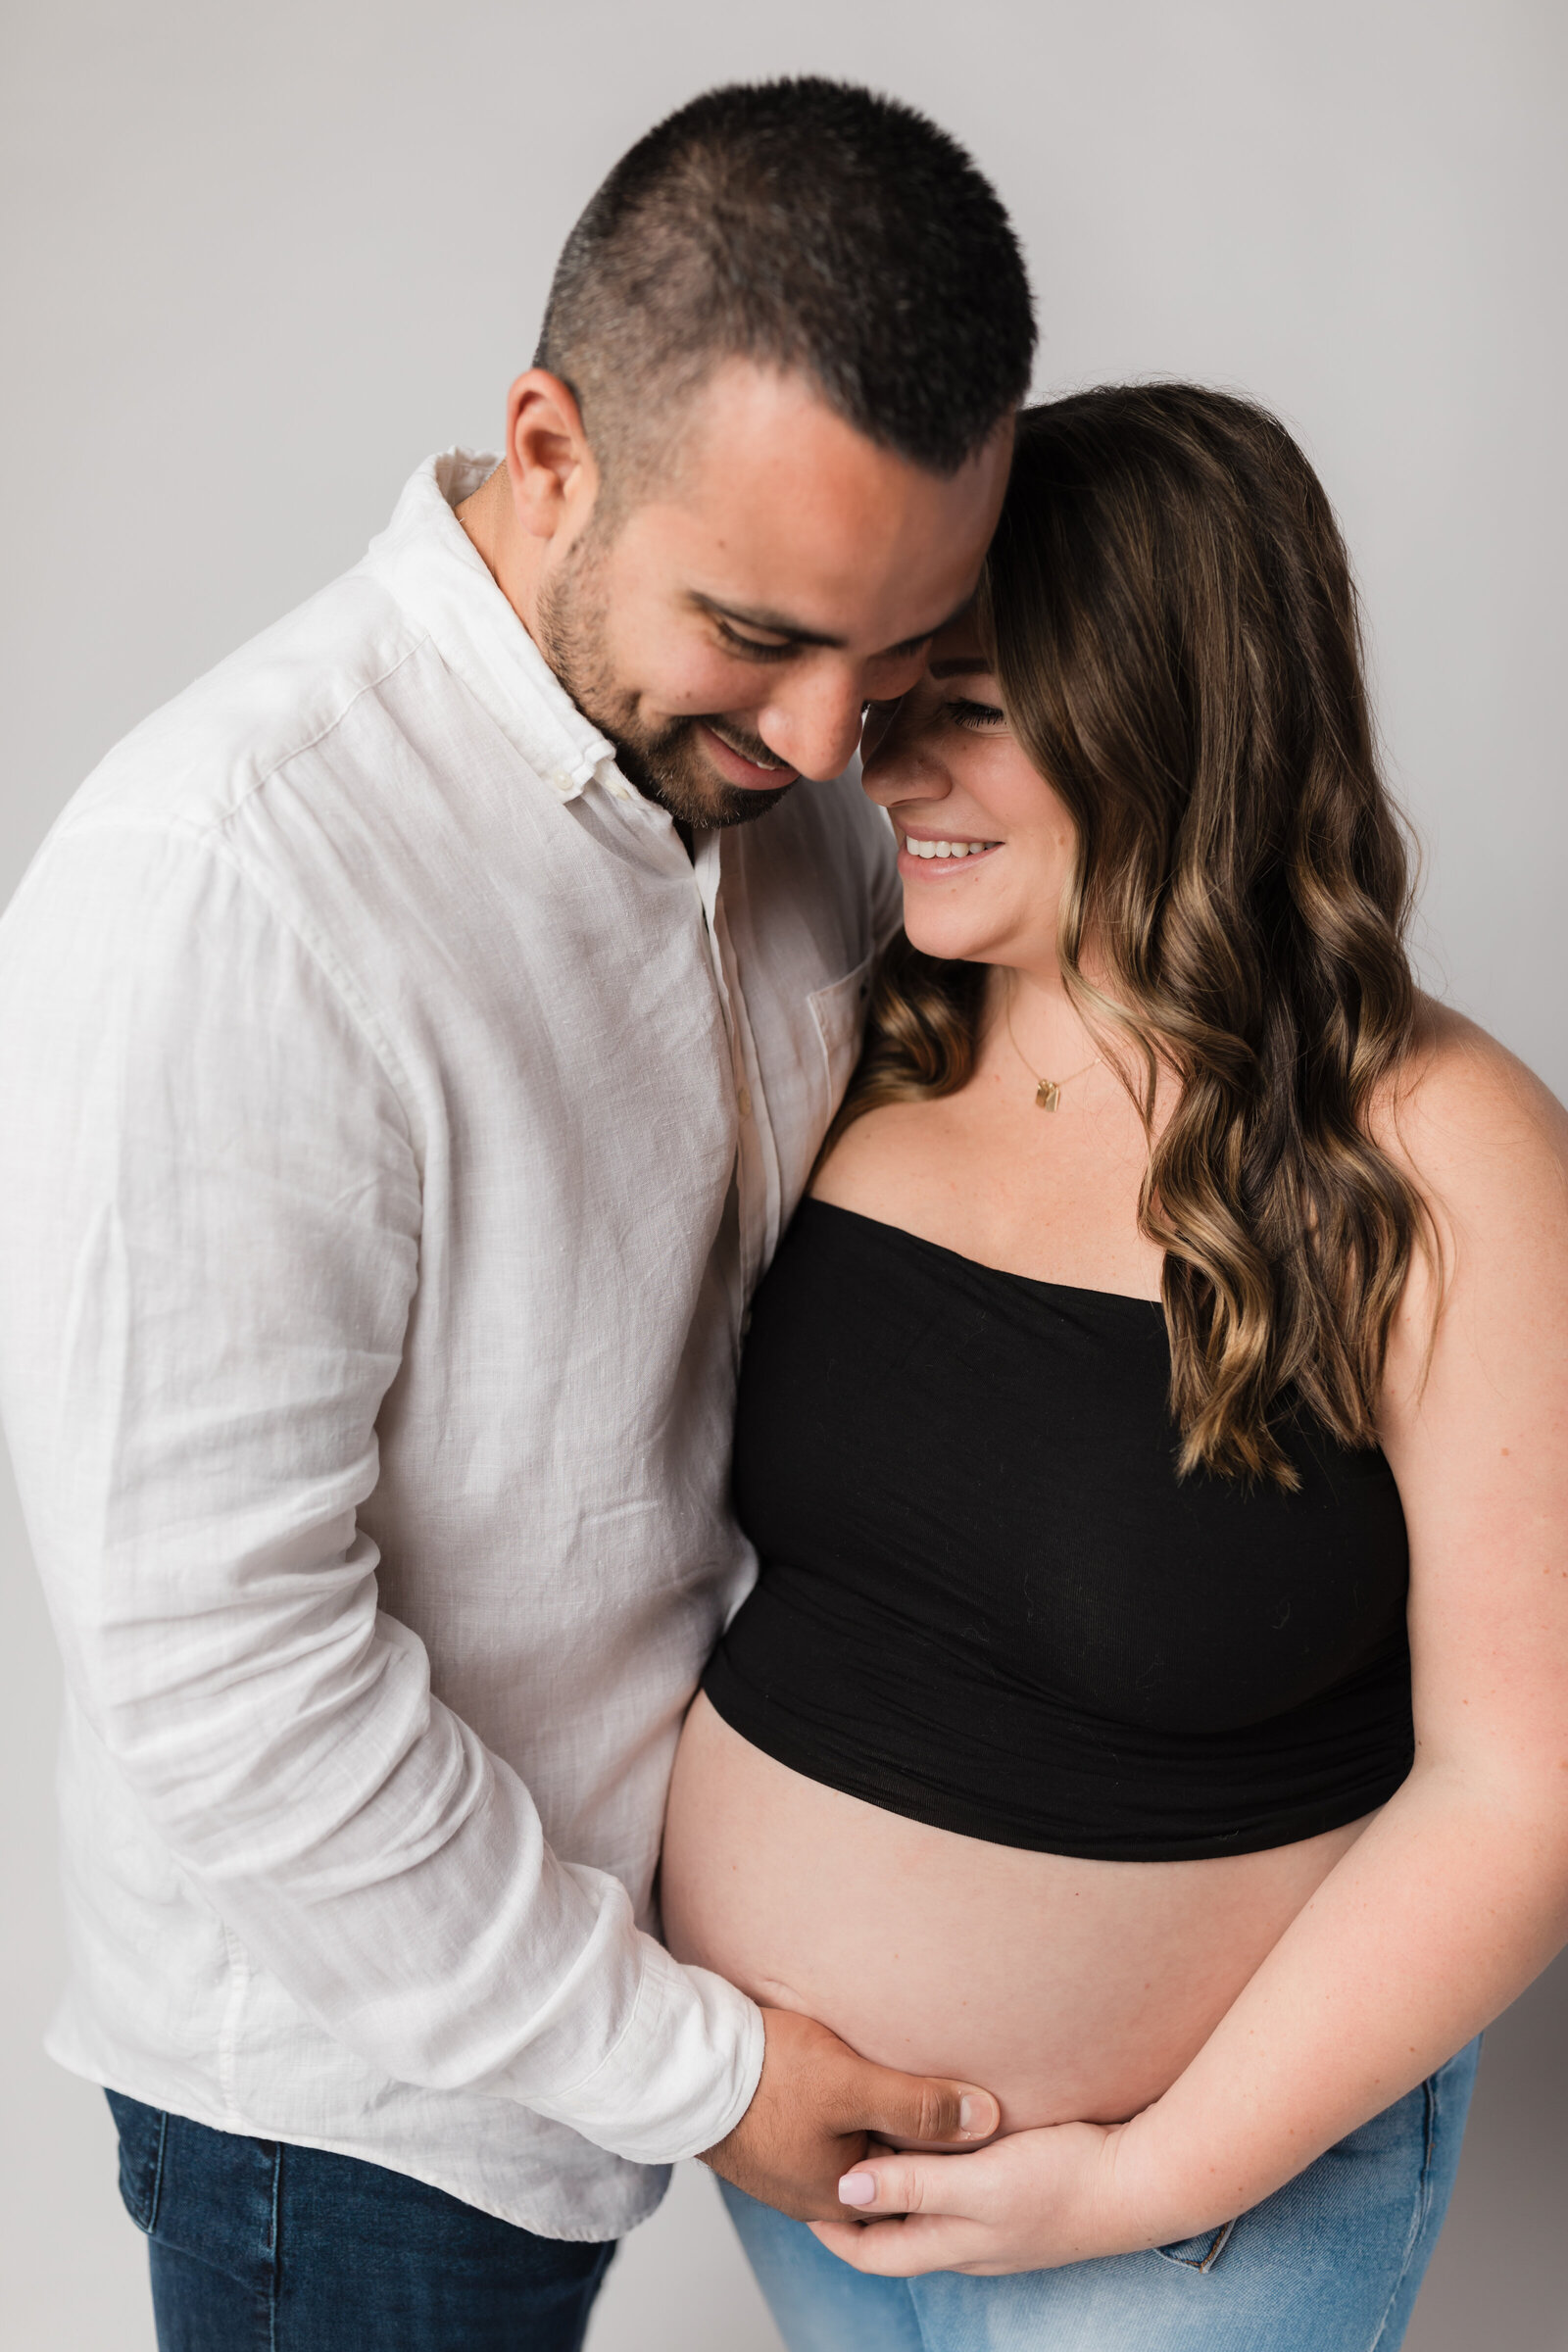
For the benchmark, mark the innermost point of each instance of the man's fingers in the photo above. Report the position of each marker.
(924, 2107)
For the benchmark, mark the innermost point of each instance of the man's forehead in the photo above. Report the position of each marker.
(782, 518)
(832, 587)
(763, 449)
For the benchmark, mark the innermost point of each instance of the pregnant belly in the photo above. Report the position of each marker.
(1071, 1990)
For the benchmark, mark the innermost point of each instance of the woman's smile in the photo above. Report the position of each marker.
(923, 848)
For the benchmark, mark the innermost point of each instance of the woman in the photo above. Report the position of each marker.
(1161, 1390)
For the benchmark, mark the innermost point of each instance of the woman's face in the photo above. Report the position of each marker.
(985, 846)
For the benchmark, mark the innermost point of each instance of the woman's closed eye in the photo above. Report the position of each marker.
(979, 717)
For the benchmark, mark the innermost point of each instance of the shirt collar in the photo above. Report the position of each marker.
(430, 565)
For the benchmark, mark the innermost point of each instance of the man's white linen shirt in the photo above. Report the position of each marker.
(396, 1123)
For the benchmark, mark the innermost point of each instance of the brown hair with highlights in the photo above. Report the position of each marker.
(1170, 612)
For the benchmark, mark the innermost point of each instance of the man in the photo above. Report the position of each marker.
(409, 1066)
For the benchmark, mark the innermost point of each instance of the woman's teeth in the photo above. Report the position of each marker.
(946, 848)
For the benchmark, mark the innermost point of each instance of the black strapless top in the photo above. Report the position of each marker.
(987, 1600)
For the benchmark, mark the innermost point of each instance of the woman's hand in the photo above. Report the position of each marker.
(1024, 2203)
(1456, 1893)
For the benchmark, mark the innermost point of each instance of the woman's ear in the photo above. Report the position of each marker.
(550, 465)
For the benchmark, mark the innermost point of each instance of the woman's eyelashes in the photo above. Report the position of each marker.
(978, 717)
(886, 724)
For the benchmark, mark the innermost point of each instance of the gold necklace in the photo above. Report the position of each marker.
(1047, 1091)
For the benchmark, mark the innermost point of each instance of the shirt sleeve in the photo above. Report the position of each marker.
(208, 1245)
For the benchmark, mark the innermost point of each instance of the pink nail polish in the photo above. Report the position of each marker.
(856, 2188)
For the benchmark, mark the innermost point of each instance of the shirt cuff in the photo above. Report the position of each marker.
(681, 2076)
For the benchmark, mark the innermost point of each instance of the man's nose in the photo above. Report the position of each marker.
(817, 727)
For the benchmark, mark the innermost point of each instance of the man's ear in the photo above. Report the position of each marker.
(550, 465)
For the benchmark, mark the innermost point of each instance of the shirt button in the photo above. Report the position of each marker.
(743, 1102)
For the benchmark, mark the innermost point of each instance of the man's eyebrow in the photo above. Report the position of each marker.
(779, 624)
(775, 625)
(911, 645)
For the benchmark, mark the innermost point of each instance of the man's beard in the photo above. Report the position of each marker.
(666, 763)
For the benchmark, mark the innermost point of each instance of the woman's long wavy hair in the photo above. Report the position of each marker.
(1169, 609)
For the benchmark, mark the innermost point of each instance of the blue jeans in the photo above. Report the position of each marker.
(1331, 2263)
(260, 2246)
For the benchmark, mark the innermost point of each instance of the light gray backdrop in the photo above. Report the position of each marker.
(262, 259)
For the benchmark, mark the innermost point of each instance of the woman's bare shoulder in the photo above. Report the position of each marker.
(1463, 1109)
(1485, 1143)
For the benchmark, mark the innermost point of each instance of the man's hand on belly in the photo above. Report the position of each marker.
(817, 2107)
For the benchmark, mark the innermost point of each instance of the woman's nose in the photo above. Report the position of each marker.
(893, 767)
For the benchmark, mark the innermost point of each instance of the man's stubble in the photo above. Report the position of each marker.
(666, 763)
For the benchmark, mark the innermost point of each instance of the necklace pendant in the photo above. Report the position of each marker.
(1047, 1093)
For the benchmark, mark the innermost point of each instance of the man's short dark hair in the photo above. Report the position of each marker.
(809, 226)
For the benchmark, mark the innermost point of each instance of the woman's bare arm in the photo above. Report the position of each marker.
(1456, 1896)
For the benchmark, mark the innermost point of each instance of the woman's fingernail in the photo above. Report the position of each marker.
(856, 2188)
(966, 2114)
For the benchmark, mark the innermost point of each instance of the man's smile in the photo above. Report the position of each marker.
(745, 767)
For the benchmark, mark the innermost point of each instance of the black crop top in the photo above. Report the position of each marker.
(987, 1600)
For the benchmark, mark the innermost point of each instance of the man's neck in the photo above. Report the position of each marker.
(512, 557)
